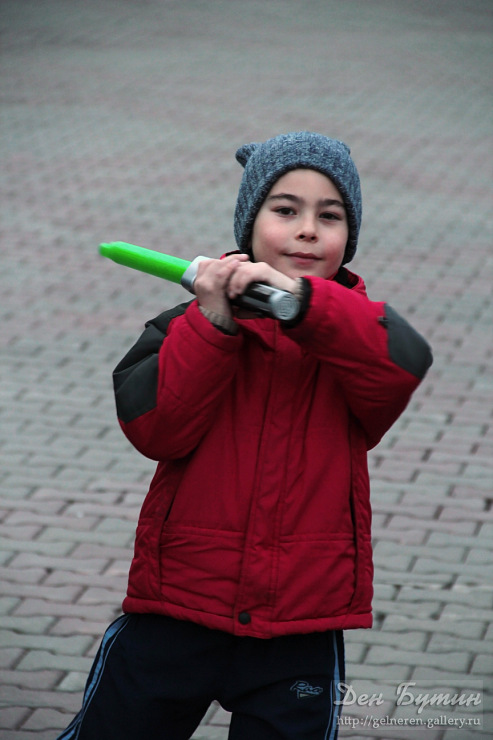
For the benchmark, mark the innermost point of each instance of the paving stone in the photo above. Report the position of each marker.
(73, 564)
(30, 504)
(73, 626)
(116, 511)
(72, 523)
(403, 535)
(58, 593)
(387, 554)
(37, 660)
(9, 657)
(440, 627)
(38, 607)
(84, 550)
(117, 537)
(384, 591)
(38, 679)
(426, 565)
(469, 733)
(45, 719)
(354, 649)
(489, 633)
(415, 580)
(434, 679)
(47, 548)
(421, 609)
(100, 596)
(414, 640)
(76, 645)
(51, 494)
(460, 611)
(32, 575)
(73, 681)
(416, 511)
(23, 533)
(6, 556)
(376, 672)
(113, 524)
(111, 583)
(26, 624)
(210, 733)
(454, 661)
(12, 717)
(459, 527)
(448, 642)
(483, 665)
(438, 539)
(31, 698)
(462, 595)
(7, 604)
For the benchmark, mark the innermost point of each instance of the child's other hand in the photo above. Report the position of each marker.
(213, 280)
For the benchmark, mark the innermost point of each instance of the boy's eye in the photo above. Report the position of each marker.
(331, 216)
(285, 210)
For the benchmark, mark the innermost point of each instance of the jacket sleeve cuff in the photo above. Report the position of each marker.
(303, 295)
(224, 323)
(209, 331)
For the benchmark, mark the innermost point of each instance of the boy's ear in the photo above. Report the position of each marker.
(245, 152)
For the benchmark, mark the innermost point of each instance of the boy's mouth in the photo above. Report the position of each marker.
(303, 257)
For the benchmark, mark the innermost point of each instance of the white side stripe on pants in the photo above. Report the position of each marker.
(111, 634)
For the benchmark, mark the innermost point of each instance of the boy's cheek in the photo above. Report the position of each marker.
(265, 250)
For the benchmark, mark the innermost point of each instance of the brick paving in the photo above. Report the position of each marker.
(119, 121)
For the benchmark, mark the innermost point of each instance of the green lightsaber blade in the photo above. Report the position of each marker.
(270, 301)
(146, 260)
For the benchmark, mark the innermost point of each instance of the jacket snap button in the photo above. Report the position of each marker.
(244, 618)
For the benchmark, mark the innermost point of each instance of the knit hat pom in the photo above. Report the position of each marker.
(244, 153)
(266, 162)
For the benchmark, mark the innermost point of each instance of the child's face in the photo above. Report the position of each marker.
(301, 227)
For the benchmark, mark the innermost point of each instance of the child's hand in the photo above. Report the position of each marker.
(257, 272)
(212, 282)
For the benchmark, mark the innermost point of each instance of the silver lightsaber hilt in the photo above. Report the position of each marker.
(260, 297)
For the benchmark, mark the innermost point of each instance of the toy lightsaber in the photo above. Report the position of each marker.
(279, 304)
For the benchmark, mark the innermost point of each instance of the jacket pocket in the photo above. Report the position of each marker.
(316, 577)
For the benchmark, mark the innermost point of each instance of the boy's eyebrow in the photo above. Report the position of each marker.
(296, 199)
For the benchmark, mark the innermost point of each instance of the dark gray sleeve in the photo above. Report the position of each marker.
(407, 348)
(135, 379)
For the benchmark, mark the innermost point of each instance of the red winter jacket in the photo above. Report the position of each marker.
(257, 521)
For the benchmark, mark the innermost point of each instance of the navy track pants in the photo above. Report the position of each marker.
(155, 677)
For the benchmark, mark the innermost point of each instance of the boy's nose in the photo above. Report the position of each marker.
(307, 235)
(307, 231)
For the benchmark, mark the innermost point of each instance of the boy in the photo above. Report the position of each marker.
(253, 547)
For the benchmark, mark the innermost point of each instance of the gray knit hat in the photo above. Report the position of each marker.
(266, 162)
